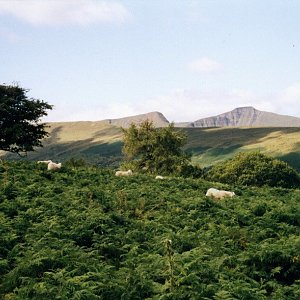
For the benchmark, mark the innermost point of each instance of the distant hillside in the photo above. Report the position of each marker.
(212, 145)
(245, 116)
(95, 141)
(100, 142)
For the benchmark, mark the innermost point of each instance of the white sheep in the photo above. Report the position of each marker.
(53, 166)
(44, 161)
(159, 177)
(124, 173)
(219, 194)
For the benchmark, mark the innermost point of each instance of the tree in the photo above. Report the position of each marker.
(20, 126)
(156, 150)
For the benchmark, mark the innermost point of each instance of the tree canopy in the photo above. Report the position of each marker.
(20, 126)
(156, 150)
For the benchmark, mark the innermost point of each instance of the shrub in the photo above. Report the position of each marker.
(75, 163)
(155, 150)
(255, 169)
(191, 171)
(130, 165)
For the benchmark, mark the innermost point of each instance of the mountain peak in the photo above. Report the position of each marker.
(244, 108)
(158, 119)
(247, 116)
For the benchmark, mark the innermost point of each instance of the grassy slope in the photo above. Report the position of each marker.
(99, 142)
(94, 141)
(209, 146)
(85, 234)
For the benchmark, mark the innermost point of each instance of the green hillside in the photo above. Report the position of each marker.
(209, 146)
(100, 143)
(85, 234)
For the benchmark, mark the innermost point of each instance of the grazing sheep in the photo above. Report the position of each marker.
(53, 166)
(159, 177)
(124, 173)
(219, 194)
(44, 161)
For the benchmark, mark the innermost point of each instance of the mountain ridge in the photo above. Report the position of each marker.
(158, 119)
(246, 116)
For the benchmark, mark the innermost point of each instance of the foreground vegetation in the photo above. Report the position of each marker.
(82, 233)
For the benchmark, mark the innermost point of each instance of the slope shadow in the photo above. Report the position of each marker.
(53, 136)
(214, 151)
(111, 131)
(293, 159)
(105, 149)
(86, 149)
(205, 138)
(99, 154)
(209, 145)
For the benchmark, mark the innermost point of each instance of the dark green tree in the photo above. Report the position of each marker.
(20, 126)
(155, 150)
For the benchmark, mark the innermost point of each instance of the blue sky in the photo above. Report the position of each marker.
(188, 59)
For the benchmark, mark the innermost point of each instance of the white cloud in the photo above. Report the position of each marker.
(204, 65)
(184, 105)
(191, 105)
(83, 112)
(292, 94)
(60, 12)
(288, 101)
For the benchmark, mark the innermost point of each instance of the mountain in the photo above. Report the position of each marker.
(245, 117)
(157, 118)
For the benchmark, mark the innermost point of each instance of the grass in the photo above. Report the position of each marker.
(211, 145)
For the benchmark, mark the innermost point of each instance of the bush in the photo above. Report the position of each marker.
(255, 169)
(131, 165)
(155, 150)
(75, 163)
(191, 171)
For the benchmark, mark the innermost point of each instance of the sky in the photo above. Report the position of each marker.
(188, 59)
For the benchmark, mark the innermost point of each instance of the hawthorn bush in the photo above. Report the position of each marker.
(255, 169)
(154, 150)
(191, 171)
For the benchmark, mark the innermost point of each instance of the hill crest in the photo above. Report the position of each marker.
(158, 119)
(246, 116)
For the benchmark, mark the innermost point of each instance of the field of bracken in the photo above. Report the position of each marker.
(82, 233)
